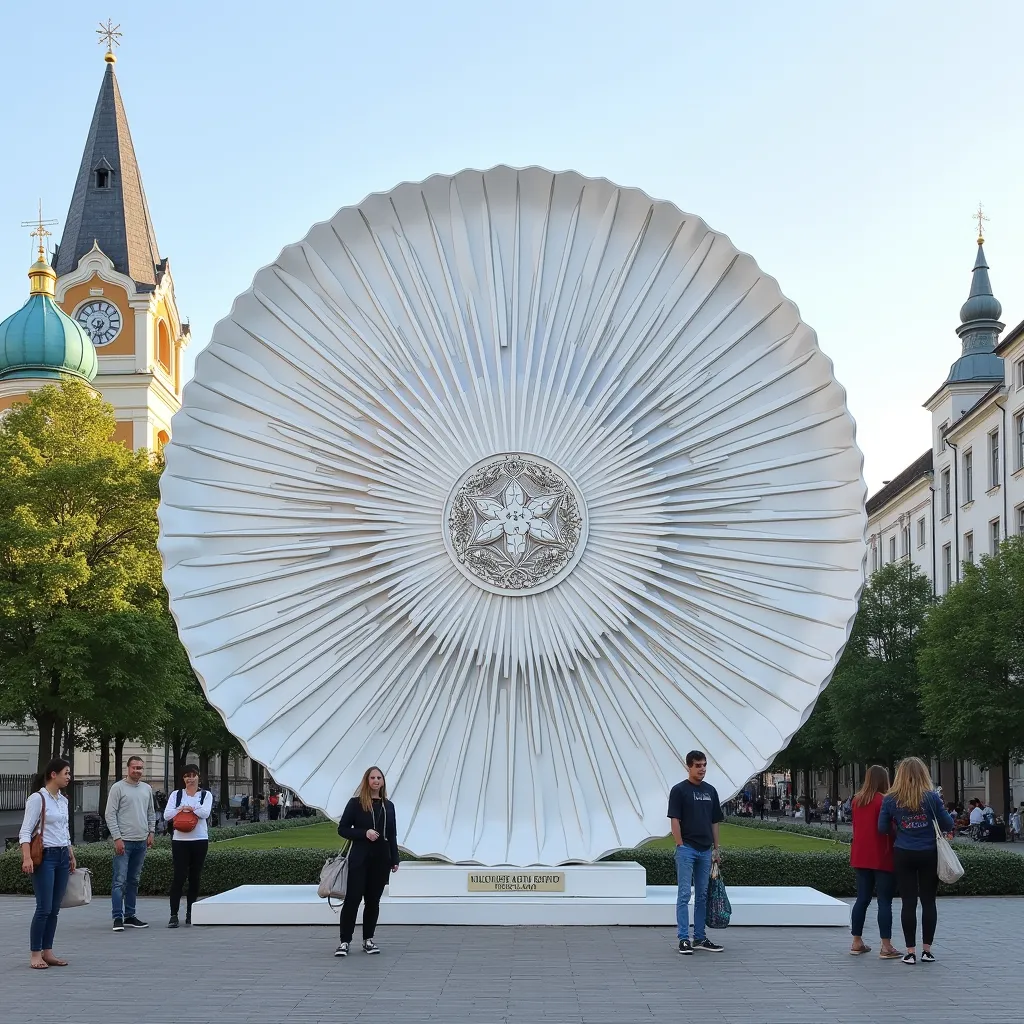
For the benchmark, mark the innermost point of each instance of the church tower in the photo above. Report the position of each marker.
(112, 280)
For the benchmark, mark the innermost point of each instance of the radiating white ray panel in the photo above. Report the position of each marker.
(519, 485)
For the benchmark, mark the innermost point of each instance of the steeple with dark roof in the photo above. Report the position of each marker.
(979, 329)
(108, 206)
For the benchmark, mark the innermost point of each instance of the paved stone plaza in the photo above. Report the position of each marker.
(513, 975)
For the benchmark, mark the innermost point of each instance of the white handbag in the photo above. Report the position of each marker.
(79, 890)
(950, 868)
(334, 878)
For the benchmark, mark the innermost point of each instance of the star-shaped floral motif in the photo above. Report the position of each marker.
(517, 518)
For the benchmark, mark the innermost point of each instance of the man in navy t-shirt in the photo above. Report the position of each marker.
(695, 812)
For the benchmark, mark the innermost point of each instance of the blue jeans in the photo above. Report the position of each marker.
(868, 881)
(692, 867)
(49, 880)
(124, 881)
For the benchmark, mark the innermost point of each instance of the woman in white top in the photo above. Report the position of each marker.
(46, 810)
(188, 847)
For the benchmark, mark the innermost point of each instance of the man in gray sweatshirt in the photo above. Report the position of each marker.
(131, 818)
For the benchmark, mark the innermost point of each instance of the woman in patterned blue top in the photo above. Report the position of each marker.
(909, 809)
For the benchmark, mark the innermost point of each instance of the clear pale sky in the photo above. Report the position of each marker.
(844, 146)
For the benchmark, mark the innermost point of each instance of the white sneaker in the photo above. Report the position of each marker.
(342, 950)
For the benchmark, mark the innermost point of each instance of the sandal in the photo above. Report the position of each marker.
(860, 950)
(890, 954)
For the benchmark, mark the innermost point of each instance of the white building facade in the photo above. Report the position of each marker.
(963, 496)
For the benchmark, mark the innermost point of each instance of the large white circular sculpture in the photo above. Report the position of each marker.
(519, 485)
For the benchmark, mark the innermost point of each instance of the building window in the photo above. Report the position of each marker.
(1018, 374)
(102, 178)
(892, 549)
(940, 441)
(993, 532)
(921, 532)
(969, 547)
(1020, 518)
(947, 567)
(905, 540)
(874, 557)
(968, 476)
(993, 458)
(947, 503)
(1018, 421)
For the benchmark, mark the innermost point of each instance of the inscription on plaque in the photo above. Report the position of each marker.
(517, 881)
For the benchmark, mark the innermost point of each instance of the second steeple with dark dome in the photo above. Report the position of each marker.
(979, 328)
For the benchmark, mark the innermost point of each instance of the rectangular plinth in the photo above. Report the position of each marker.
(615, 880)
(764, 906)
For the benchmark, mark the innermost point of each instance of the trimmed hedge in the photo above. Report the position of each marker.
(814, 831)
(987, 872)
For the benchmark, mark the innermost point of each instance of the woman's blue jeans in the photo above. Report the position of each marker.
(868, 882)
(49, 880)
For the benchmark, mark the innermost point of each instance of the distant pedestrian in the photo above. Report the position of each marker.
(759, 807)
(131, 820)
(369, 823)
(695, 812)
(189, 845)
(911, 806)
(46, 814)
(871, 860)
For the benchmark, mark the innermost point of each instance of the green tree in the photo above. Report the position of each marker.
(972, 664)
(875, 691)
(77, 550)
(812, 748)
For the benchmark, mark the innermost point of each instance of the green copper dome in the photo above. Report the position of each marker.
(41, 340)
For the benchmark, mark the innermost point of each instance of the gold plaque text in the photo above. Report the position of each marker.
(517, 881)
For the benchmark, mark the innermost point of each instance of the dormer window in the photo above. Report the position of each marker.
(102, 178)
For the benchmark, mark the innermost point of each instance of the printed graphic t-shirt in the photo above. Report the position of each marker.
(697, 808)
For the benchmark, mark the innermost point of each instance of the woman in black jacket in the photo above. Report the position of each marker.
(368, 821)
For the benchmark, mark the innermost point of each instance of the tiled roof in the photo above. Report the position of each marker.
(918, 468)
(116, 218)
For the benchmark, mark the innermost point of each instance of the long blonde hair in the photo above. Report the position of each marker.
(875, 781)
(364, 794)
(911, 783)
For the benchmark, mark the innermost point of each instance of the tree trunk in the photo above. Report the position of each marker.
(104, 742)
(181, 743)
(257, 781)
(44, 751)
(225, 796)
(119, 765)
(204, 769)
(1007, 790)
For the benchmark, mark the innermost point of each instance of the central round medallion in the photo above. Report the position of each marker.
(515, 524)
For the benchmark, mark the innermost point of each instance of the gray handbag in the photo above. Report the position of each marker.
(79, 890)
(334, 878)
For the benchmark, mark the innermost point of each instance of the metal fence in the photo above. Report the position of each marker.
(14, 792)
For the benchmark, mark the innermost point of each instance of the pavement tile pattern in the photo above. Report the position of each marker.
(507, 975)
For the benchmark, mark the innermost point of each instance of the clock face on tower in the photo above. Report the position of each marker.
(101, 320)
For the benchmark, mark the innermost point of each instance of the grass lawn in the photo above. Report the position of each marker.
(325, 836)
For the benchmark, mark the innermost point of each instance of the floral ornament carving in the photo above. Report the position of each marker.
(514, 523)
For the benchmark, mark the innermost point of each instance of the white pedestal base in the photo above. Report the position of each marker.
(764, 906)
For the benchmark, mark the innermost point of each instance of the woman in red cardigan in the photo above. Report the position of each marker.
(871, 860)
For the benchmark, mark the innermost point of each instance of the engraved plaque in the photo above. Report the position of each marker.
(516, 881)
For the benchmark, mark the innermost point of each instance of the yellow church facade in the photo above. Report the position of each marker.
(112, 280)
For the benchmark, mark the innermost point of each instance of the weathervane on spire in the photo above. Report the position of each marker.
(981, 218)
(40, 231)
(109, 36)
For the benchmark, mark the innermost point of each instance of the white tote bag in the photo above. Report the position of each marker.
(79, 890)
(950, 868)
(334, 878)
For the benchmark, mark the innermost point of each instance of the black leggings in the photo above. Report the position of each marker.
(188, 856)
(917, 875)
(366, 883)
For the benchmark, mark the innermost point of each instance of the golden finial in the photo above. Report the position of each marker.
(40, 231)
(980, 218)
(110, 37)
